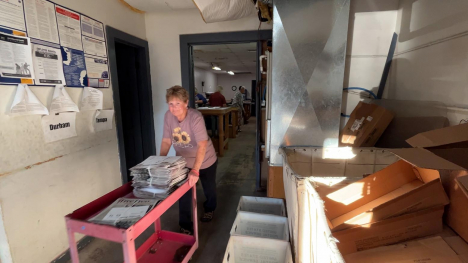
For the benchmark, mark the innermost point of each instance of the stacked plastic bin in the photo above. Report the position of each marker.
(260, 232)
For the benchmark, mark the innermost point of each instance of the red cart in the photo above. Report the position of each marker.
(161, 247)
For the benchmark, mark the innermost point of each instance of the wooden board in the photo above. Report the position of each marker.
(275, 182)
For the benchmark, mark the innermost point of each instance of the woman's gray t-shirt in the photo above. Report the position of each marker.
(185, 136)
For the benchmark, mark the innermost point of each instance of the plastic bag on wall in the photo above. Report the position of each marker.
(224, 10)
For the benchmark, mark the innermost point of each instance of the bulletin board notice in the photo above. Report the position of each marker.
(49, 44)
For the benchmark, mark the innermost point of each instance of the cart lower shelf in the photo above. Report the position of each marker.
(163, 249)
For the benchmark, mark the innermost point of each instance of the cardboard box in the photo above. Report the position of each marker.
(391, 231)
(457, 213)
(433, 250)
(365, 126)
(309, 171)
(447, 147)
(396, 190)
(459, 246)
(402, 128)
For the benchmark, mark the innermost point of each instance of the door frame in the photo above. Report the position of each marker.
(145, 94)
(188, 82)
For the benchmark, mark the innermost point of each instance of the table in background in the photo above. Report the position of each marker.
(247, 111)
(223, 126)
(234, 119)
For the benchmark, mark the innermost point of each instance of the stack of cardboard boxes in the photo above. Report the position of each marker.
(397, 212)
(406, 200)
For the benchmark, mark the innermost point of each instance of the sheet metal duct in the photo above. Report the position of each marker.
(160, 5)
(309, 48)
(224, 10)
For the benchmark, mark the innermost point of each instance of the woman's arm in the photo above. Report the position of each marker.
(165, 146)
(200, 155)
(194, 173)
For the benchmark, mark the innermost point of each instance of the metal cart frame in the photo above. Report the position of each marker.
(160, 247)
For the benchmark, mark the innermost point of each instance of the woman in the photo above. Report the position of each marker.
(217, 99)
(184, 129)
(200, 100)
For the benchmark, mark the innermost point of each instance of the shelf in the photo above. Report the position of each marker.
(164, 249)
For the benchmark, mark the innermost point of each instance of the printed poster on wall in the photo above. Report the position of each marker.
(92, 28)
(94, 47)
(40, 20)
(74, 67)
(15, 57)
(48, 65)
(57, 127)
(11, 14)
(98, 72)
(14, 80)
(69, 28)
(44, 23)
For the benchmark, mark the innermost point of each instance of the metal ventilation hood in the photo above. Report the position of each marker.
(210, 10)
(309, 47)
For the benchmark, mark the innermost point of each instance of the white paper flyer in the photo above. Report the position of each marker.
(61, 101)
(103, 120)
(92, 99)
(26, 103)
(59, 127)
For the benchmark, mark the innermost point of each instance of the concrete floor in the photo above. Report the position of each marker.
(235, 178)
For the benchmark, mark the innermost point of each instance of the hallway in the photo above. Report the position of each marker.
(235, 178)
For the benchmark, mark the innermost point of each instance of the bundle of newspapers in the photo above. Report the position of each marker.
(158, 176)
(125, 212)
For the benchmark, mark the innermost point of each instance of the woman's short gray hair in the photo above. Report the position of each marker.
(219, 88)
(177, 92)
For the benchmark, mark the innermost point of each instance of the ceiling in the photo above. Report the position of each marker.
(239, 58)
(160, 5)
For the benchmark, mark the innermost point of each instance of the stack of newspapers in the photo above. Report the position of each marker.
(158, 176)
(124, 212)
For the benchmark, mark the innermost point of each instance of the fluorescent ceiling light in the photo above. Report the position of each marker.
(215, 67)
(230, 73)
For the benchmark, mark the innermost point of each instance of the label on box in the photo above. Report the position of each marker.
(357, 124)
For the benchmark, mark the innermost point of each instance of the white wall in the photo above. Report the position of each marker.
(227, 81)
(41, 183)
(163, 30)
(210, 79)
(371, 26)
(431, 62)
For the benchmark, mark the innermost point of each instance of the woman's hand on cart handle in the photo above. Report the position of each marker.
(193, 177)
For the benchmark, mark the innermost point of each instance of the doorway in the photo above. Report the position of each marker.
(187, 43)
(129, 66)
